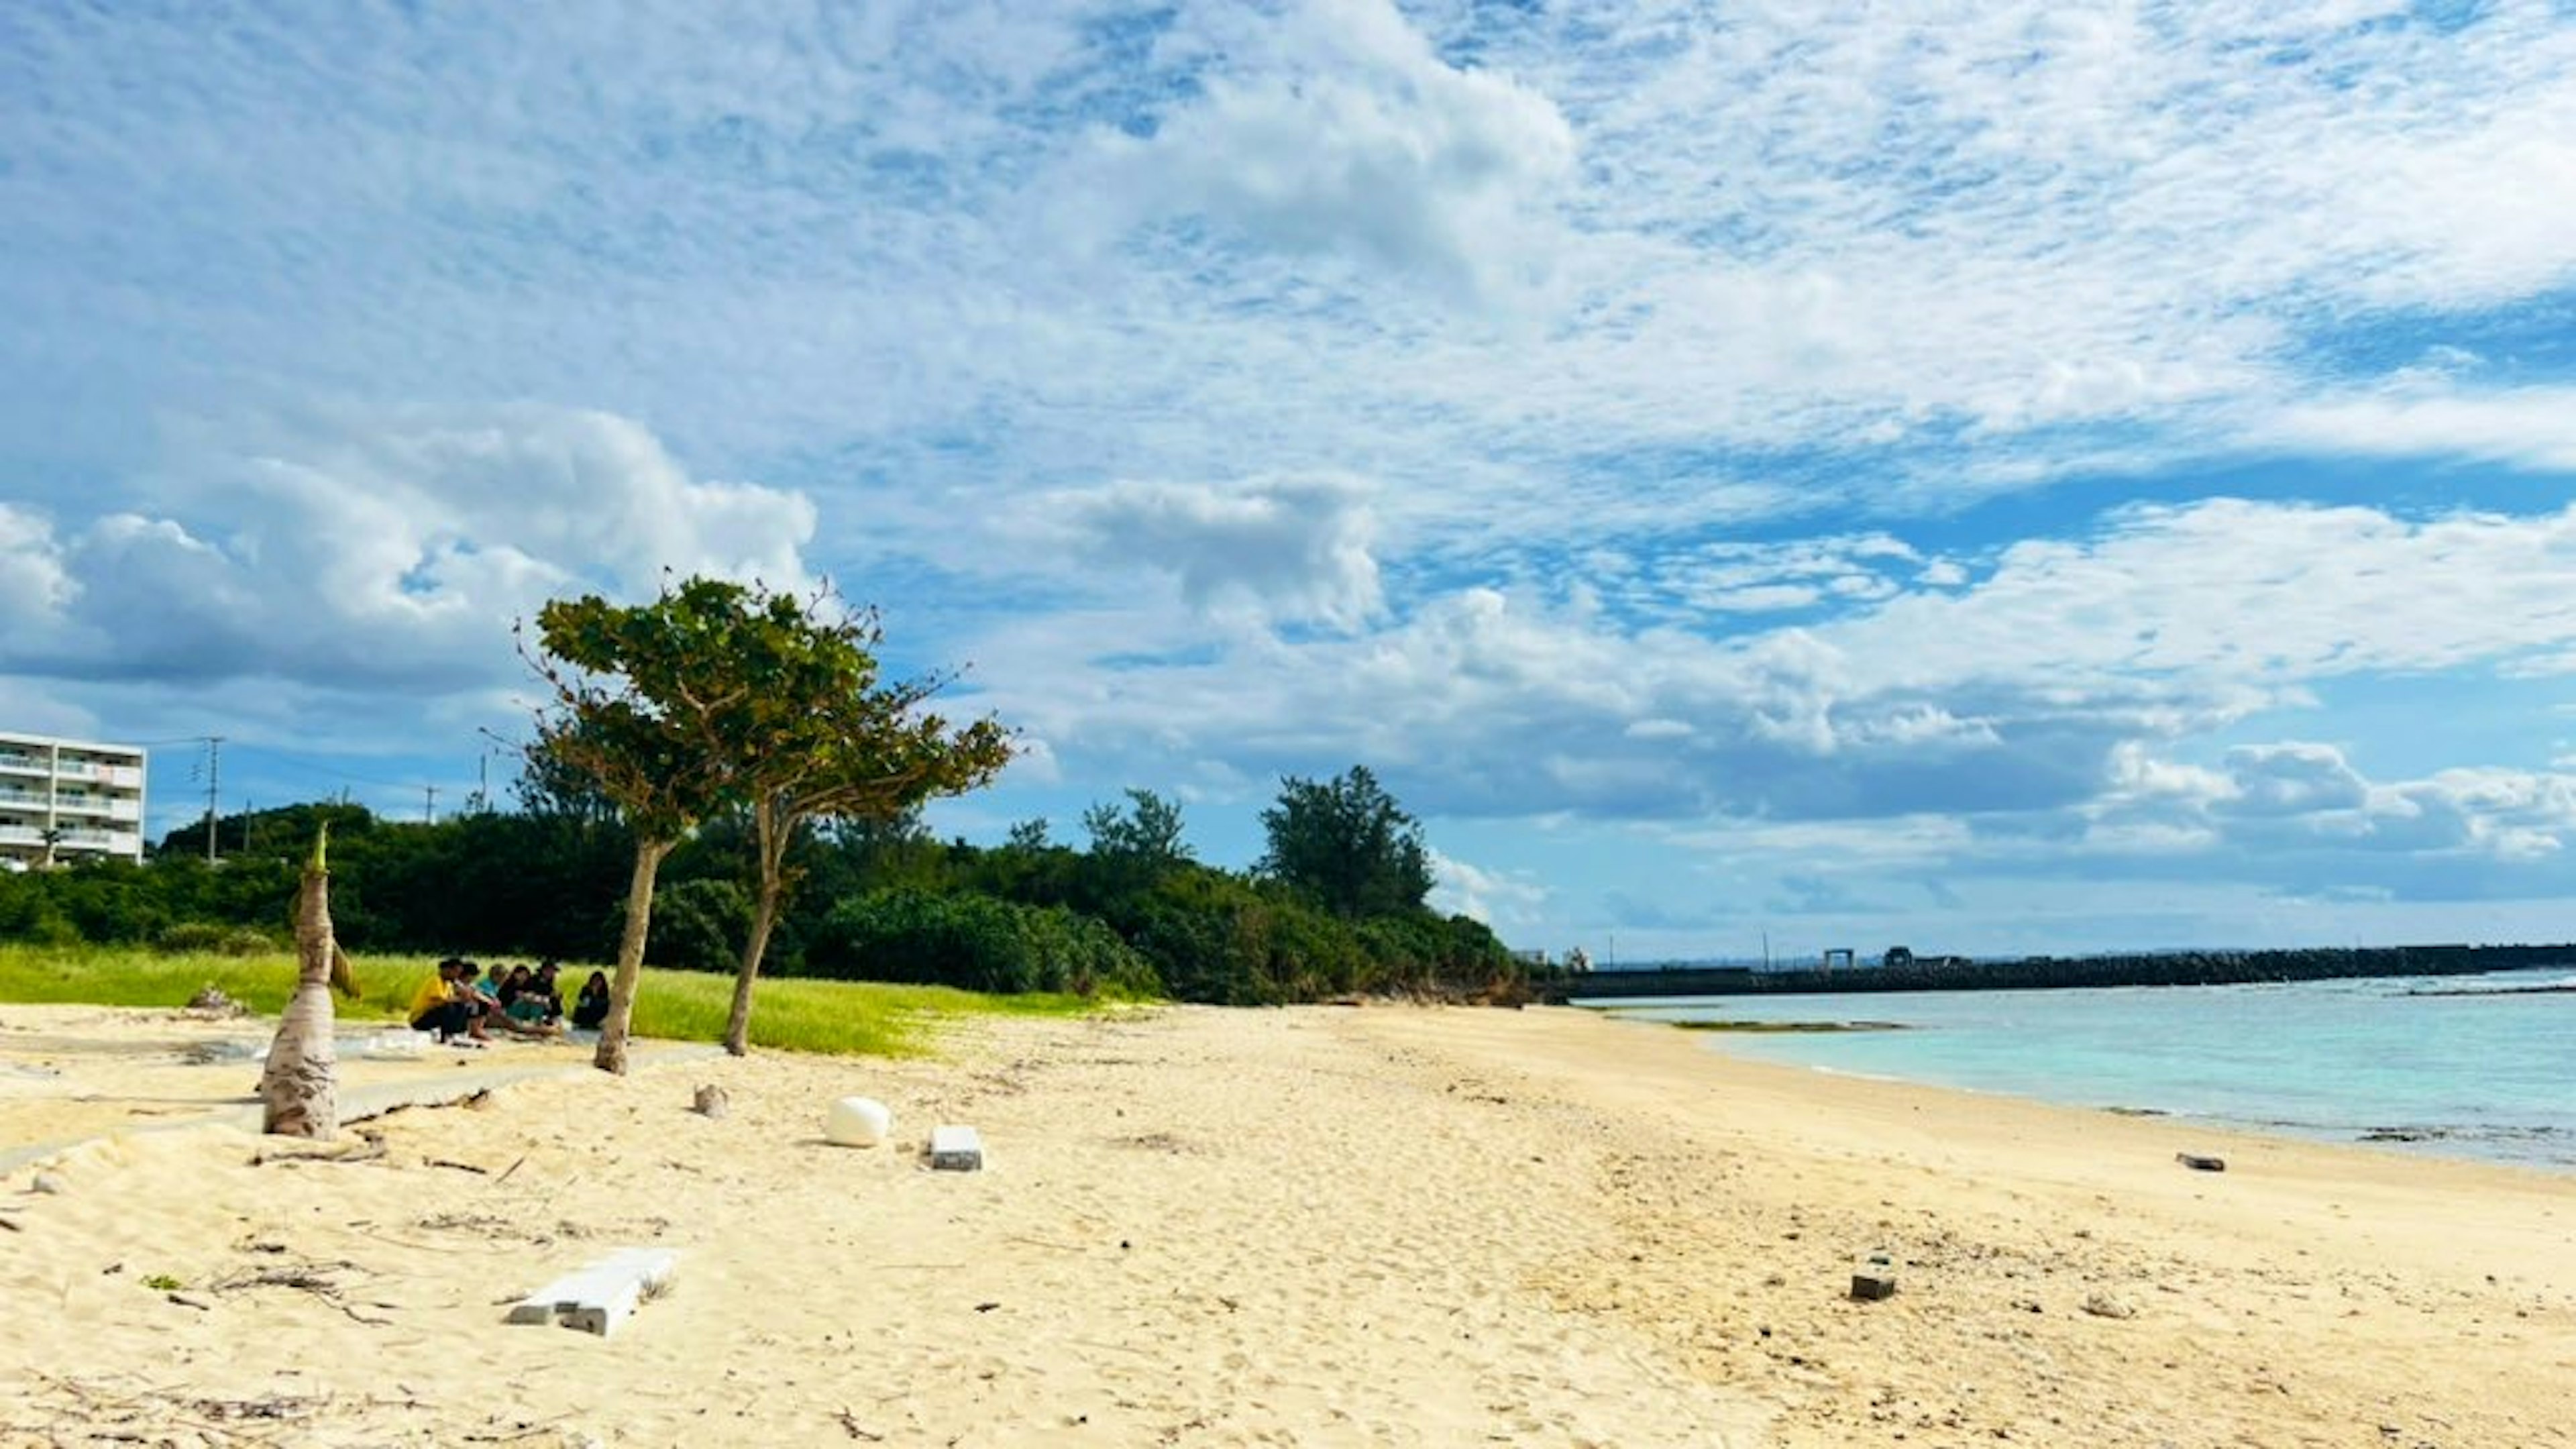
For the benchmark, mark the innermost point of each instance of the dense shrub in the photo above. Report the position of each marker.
(207, 938)
(975, 942)
(884, 901)
(697, 925)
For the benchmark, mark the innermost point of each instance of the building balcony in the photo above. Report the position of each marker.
(29, 840)
(94, 806)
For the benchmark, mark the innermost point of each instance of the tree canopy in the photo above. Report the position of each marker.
(642, 695)
(732, 696)
(1347, 846)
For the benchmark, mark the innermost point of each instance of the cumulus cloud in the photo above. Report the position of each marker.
(1288, 549)
(2291, 779)
(2054, 689)
(1340, 129)
(387, 550)
(34, 585)
(1499, 898)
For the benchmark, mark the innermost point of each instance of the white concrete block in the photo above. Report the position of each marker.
(600, 1298)
(956, 1149)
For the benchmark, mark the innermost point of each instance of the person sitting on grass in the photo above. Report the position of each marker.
(487, 1007)
(542, 989)
(590, 1010)
(528, 1009)
(443, 1006)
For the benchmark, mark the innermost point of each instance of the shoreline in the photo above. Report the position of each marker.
(1371, 1225)
(2410, 1143)
(2467, 1079)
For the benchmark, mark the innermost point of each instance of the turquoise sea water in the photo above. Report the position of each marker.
(2420, 1062)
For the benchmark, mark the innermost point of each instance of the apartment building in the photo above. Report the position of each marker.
(67, 800)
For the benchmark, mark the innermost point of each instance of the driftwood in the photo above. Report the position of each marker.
(370, 1146)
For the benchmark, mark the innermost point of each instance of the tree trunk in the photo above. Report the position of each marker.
(299, 1087)
(611, 1056)
(772, 850)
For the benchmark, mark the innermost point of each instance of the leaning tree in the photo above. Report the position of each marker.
(633, 710)
(721, 695)
(823, 736)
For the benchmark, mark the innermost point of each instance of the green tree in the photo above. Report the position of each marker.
(1346, 845)
(822, 735)
(1146, 835)
(641, 691)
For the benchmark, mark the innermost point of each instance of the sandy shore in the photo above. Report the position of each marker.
(1319, 1226)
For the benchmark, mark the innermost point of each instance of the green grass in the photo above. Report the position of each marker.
(836, 1018)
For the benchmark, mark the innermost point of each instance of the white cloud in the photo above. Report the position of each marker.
(2531, 427)
(1339, 129)
(2291, 779)
(1501, 899)
(2230, 594)
(34, 585)
(376, 551)
(1292, 549)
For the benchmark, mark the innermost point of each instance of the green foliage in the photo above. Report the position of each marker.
(977, 943)
(839, 1018)
(698, 925)
(878, 897)
(1148, 831)
(209, 938)
(1346, 845)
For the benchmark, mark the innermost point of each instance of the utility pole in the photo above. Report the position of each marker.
(429, 804)
(214, 785)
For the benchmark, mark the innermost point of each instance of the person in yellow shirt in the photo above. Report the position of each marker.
(442, 1006)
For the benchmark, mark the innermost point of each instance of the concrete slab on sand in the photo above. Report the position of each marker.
(135, 1076)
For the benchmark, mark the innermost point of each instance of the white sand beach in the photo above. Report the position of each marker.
(1377, 1225)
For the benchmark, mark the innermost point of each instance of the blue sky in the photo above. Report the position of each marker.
(1988, 476)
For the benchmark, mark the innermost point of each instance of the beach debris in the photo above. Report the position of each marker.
(46, 1182)
(369, 1147)
(208, 1053)
(857, 1122)
(211, 1001)
(956, 1149)
(600, 1298)
(316, 1278)
(1872, 1284)
(709, 1103)
(2103, 1305)
(2198, 1163)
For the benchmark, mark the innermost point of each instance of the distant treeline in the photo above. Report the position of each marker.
(2174, 968)
(1131, 913)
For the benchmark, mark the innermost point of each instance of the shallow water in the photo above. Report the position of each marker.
(2425, 1063)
